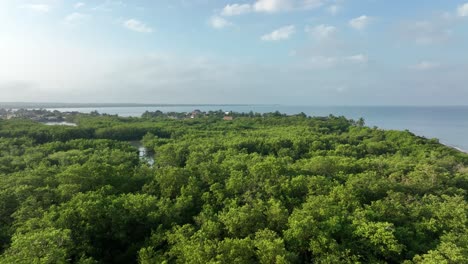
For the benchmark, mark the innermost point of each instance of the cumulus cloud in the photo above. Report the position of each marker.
(462, 10)
(42, 8)
(282, 33)
(342, 88)
(329, 62)
(270, 6)
(311, 4)
(76, 18)
(358, 58)
(360, 23)
(236, 9)
(109, 5)
(321, 31)
(425, 66)
(334, 9)
(273, 6)
(218, 22)
(322, 62)
(137, 26)
(425, 32)
(79, 5)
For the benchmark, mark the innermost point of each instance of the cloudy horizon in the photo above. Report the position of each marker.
(293, 52)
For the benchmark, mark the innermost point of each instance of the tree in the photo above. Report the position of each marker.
(42, 246)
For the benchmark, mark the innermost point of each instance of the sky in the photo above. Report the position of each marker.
(292, 52)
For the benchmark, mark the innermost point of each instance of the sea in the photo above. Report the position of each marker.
(449, 124)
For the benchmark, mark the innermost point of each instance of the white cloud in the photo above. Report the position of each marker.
(311, 4)
(426, 32)
(425, 66)
(463, 10)
(280, 34)
(342, 89)
(327, 62)
(219, 22)
(79, 5)
(358, 58)
(76, 18)
(322, 62)
(43, 8)
(334, 9)
(321, 31)
(236, 9)
(109, 5)
(272, 6)
(360, 23)
(138, 26)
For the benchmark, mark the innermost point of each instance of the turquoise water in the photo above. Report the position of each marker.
(448, 124)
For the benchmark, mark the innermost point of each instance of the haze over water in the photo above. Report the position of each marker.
(447, 123)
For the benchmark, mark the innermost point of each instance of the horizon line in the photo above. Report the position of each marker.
(108, 104)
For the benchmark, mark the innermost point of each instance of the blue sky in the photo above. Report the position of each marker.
(296, 52)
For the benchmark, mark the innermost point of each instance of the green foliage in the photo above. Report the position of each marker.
(49, 246)
(258, 189)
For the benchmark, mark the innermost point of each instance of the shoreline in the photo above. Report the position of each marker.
(459, 149)
(455, 147)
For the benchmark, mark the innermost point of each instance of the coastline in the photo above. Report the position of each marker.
(461, 150)
(448, 125)
(456, 148)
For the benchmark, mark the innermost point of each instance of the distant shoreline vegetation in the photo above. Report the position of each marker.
(57, 117)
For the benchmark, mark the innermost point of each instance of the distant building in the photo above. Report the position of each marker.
(10, 116)
(228, 118)
(195, 113)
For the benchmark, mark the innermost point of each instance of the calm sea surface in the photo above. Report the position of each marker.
(448, 124)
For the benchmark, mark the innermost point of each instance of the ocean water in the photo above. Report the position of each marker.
(449, 124)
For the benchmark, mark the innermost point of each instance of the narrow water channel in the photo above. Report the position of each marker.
(60, 124)
(143, 153)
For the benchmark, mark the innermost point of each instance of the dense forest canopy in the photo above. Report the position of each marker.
(264, 188)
